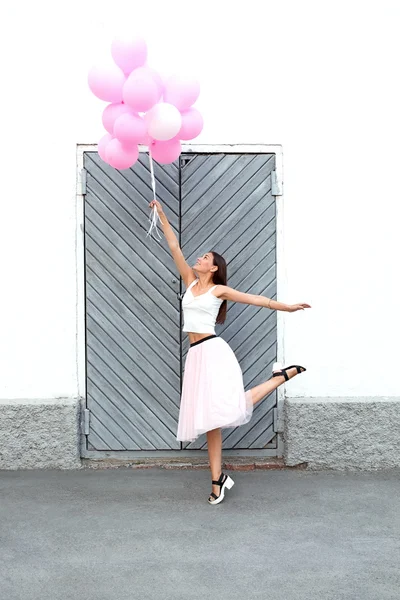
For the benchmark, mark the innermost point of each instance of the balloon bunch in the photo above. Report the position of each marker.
(143, 108)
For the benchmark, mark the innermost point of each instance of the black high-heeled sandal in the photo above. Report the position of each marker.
(224, 482)
(283, 372)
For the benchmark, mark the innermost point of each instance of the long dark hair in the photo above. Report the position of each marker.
(220, 277)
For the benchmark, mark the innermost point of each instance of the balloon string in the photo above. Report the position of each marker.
(155, 217)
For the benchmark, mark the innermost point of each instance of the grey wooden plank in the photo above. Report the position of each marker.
(233, 230)
(199, 444)
(265, 438)
(258, 245)
(233, 252)
(145, 342)
(134, 392)
(95, 442)
(225, 195)
(137, 227)
(138, 353)
(235, 239)
(204, 166)
(128, 302)
(132, 367)
(109, 441)
(112, 426)
(239, 220)
(215, 190)
(135, 318)
(115, 266)
(267, 364)
(260, 327)
(246, 331)
(264, 251)
(99, 200)
(138, 414)
(136, 182)
(202, 185)
(238, 313)
(245, 277)
(256, 432)
(130, 190)
(228, 200)
(195, 162)
(97, 398)
(249, 339)
(259, 370)
(108, 233)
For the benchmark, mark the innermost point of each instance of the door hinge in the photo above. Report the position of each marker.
(278, 421)
(85, 421)
(276, 184)
(82, 182)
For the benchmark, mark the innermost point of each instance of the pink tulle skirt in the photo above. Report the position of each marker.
(212, 394)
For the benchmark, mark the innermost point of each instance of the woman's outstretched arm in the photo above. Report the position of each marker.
(226, 293)
(186, 272)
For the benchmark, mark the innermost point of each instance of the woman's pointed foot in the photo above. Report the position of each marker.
(288, 372)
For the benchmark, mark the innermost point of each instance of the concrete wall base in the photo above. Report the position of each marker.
(343, 433)
(327, 433)
(40, 434)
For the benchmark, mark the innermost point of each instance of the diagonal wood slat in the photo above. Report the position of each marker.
(240, 173)
(125, 402)
(227, 206)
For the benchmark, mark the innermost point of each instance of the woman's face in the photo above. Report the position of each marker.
(205, 264)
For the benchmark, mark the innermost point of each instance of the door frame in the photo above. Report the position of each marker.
(80, 307)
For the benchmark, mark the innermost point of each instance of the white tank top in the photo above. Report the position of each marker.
(200, 312)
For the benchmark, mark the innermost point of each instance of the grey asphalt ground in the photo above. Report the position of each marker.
(126, 534)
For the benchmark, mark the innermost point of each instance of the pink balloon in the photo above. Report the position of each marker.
(141, 92)
(129, 53)
(166, 152)
(182, 92)
(111, 113)
(192, 124)
(120, 157)
(146, 140)
(129, 129)
(102, 145)
(157, 78)
(106, 82)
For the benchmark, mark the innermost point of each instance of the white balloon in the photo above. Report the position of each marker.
(163, 121)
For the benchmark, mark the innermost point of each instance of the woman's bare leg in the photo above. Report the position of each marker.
(214, 437)
(260, 391)
(214, 446)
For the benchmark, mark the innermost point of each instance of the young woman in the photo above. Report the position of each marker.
(213, 396)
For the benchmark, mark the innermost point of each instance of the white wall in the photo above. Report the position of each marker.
(319, 78)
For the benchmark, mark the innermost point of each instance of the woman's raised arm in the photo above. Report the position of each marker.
(186, 272)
